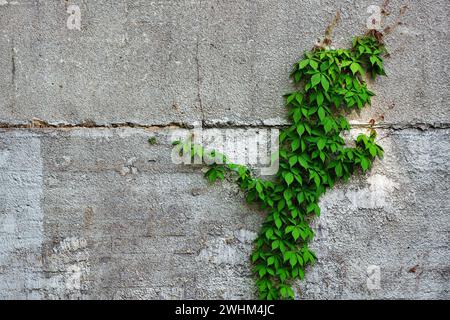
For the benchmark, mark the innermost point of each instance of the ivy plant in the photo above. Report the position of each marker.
(313, 156)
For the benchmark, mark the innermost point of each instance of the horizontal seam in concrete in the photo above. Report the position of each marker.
(35, 124)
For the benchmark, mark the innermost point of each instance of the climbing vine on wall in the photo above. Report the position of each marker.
(313, 156)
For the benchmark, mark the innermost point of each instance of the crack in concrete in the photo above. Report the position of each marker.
(13, 73)
(199, 93)
(13, 63)
(423, 126)
(41, 124)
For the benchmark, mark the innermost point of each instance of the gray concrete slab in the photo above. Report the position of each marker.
(181, 61)
(100, 213)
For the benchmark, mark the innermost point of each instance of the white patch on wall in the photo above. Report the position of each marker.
(70, 244)
(373, 22)
(375, 195)
(73, 280)
(219, 252)
(74, 19)
(8, 224)
(246, 236)
(21, 217)
(373, 277)
(69, 265)
(4, 156)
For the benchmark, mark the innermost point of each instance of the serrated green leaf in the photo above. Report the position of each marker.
(322, 156)
(321, 113)
(293, 260)
(295, 144)
(321, 144)
(290, 98)
(262, 272)
(275, 244)
(355, 67)
(281, 204)
(300, 197)
(338, 169)
(296, 234)
(292, 160)
(259, 186)
(287, 194)
(373, 59)
(289, 178)
(315, 79)
(300, 129)
(303, 63)
(303, 162)
(325, 83)
(319, 98)
(297, 115)
(364, 163)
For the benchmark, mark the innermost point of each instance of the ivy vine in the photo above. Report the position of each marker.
(313, 156)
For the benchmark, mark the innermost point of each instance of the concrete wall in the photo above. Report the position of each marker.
(89, 209)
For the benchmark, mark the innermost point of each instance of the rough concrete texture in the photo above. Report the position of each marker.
(157, 62)
(99, 213)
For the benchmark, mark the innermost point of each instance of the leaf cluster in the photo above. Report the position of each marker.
(313, 156)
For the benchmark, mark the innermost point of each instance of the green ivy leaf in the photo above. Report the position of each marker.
(300, 197)
(295, 144)
(262, 271)
(322, 156)
(289, 177)
(355, 67)
(303, 63)
(364, 163)
(293, 260)
(278, 223)
(338, 169)
(297, 115)
(303, 162)
(319, 98)
(281, 205)
(259, 187)
(315, 79)
(325, 83)
(296, 234)
(300, 129)
(292, 160)
(321, 113)
(287, 194)
(321, 144)
(275, 244)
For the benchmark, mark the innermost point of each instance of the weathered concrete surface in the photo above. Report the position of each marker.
(100, 213)
(156, 62)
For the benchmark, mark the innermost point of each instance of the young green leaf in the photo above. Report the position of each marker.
(324, 82)
(289, 177)
(292, 160)
(315, 79)
(303, 63)
(321, 113)
(355, 67)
